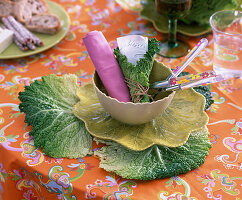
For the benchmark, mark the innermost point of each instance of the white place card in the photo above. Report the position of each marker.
(133, 47)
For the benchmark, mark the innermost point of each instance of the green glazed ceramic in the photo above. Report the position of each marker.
(171, 128)
(49, 40)
(160, 22)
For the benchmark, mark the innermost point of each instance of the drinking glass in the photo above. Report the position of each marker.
(174, 10)
(227, 35)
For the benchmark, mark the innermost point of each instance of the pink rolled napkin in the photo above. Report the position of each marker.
(106, 65)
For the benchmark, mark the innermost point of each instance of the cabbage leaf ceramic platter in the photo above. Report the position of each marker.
(160, 22)
(49, 40)
(48, 107)
(171, 128)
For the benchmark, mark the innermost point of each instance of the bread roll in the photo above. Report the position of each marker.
(24, 10)
(44, 23)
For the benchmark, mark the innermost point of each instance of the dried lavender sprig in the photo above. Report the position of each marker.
(25, 31)
(19, 29)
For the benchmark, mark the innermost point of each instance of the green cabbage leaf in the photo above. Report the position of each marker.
(140, 72)
(201, 10)
(47, 105)
(156, 161)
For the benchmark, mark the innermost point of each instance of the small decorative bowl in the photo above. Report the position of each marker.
(135, 113)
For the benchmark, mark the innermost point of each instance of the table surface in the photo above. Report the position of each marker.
(25, 171)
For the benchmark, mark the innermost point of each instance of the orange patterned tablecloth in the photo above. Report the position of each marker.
(26, 173)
